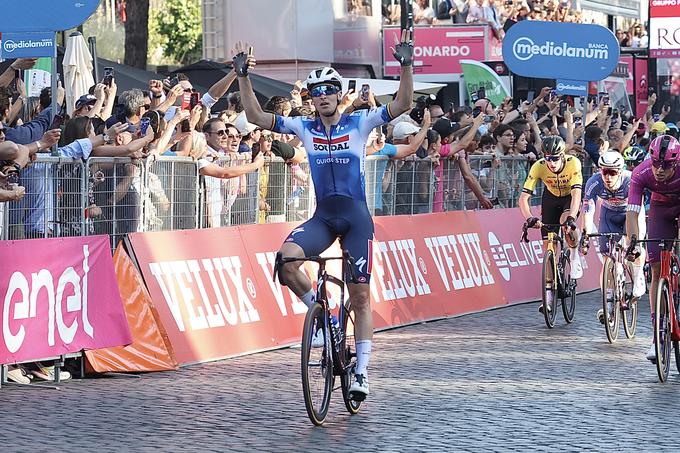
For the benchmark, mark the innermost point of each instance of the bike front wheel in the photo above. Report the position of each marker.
(662, 329)
(610, 299)
(549, 289)
(317, 365)
(631, 314)
(568, 290)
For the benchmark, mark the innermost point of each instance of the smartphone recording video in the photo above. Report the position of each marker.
(108, 76)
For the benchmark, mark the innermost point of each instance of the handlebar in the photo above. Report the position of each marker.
(348, 263)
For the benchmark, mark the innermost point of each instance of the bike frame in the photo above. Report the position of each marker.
(669, 258)
(323, 278)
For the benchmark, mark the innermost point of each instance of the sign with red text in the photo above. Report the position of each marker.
(59, 296)
(438, 50)
(214, 292)
(664, 28)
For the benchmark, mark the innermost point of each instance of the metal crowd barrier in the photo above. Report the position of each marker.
(115, 196)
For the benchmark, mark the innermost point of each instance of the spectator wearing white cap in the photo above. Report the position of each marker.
(250, 133)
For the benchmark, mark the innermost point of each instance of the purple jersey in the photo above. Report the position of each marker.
(667, 192)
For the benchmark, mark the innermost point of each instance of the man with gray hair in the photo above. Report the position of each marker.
(132, 104)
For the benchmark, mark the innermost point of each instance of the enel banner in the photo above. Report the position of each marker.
(58, 296)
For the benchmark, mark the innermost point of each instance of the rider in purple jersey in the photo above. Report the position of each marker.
(658, 175)
(336, 147)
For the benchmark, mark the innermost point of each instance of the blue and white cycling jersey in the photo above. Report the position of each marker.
(614, 201)
(336, 157)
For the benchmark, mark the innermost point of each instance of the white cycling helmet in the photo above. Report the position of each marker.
(611, 159)
(324, 75)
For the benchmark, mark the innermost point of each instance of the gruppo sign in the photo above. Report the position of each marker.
(664, 28)
(551, 50)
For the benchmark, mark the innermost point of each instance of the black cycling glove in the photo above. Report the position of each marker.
(403, 53)
(241, 64)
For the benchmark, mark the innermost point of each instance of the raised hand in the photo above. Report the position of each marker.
(403, 50)
(243, 58)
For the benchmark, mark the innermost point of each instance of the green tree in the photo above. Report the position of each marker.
(178, 23)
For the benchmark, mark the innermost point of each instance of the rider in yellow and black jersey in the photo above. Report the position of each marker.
(561, 200)
(559, 184)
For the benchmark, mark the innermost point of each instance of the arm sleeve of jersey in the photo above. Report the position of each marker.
(577, 176)
(635, 193)
(532, 179)
(287, 125)
(370, 119)
(592, 189)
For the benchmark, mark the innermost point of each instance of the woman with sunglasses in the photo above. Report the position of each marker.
(611, 185)
(561, 201)
(658, 175)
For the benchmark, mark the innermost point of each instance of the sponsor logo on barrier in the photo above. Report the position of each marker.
(506, 256)
(21, 300)
(459, 258)
(178, 281)
(404, 277)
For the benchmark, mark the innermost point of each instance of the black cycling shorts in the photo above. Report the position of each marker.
(552, 208)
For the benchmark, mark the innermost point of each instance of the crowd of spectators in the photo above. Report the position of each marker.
(497, 13)
(429, 161)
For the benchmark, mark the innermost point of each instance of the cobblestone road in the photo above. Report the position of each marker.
(494, 381)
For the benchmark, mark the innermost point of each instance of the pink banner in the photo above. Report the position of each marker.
(438, 50)
(641, 87)
(59, 296)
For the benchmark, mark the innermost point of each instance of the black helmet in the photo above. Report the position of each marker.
(553, 145)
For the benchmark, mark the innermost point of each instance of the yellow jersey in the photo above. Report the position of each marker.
(559, 184)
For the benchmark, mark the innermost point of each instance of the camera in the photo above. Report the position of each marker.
(422, 103)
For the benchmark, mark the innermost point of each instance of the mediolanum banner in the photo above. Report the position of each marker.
(215, 296)
(555, 50)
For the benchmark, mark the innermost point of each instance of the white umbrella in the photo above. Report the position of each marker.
(77, 70)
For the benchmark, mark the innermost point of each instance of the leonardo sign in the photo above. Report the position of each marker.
(553, 50)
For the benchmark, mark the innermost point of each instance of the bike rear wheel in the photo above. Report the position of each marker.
(662, 329)
(549, 289)
(568, 290)
(317, 366)
(610, 299)
(631, 314)
(349, 361)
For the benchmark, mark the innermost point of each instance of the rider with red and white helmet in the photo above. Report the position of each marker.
(660, 176)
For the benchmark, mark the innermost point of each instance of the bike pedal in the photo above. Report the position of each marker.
(357, 396)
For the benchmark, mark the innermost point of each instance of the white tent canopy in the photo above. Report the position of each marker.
(383, 88)
(77, 70)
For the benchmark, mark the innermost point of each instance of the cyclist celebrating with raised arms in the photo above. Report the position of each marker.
(658, 175)
(611, 185)
(561, 199)
(336, 147)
